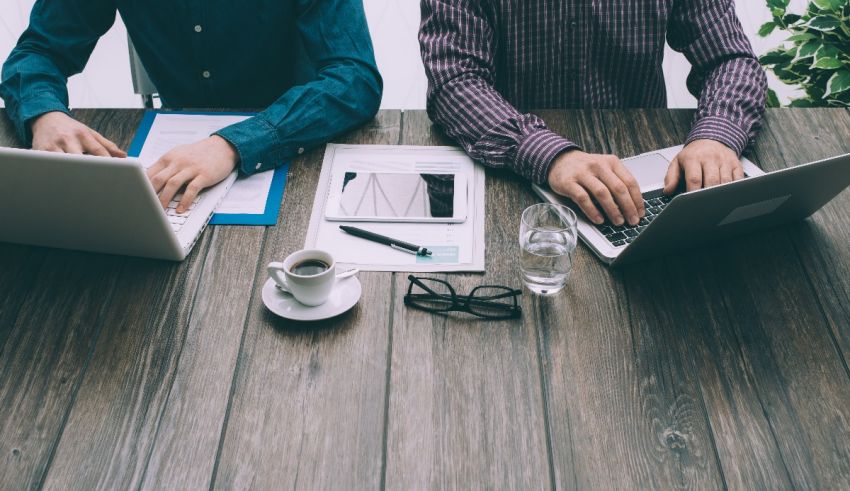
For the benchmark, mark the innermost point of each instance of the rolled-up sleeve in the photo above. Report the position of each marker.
(457, 41)
(345, 93)
(726, 76)
(57, 44)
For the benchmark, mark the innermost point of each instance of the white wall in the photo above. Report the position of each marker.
(106, 81)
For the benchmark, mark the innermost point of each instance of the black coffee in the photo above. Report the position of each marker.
(309, 267)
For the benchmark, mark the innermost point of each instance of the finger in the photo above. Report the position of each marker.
(159, 180)
(109, 145)
(738, 172)
(710, 174)
(693, 174)
(671, 180)
(600, 192)
(93, 147)
(71, 145)
(632, 185)
(622, 197)
(192, 190)
(726, 174)
(583, 200)
(173, 185)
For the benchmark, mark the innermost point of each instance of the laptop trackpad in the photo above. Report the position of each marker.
(649, 170)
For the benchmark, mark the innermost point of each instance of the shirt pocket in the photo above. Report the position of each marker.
(633, 29)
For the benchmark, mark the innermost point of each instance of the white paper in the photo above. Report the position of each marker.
(248, 194)
(457, 247)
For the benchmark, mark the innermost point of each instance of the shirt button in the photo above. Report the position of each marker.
(300, 150)
(198, 28)
(206, 74)
(259, 164)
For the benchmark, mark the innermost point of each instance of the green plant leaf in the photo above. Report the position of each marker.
(808, 49)
(766, 29)
(839, 82)
(827, 64)
(779, 55)
(772, 99)
(825, 24)
(830, 5)
(801, 37)
(790, 19)
(802, 103)
(827, 51)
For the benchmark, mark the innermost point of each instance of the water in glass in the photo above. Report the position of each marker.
(547, 240)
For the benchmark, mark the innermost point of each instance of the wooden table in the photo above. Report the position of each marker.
(726, 367)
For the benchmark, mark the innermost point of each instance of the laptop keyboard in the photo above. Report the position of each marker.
(654, 202)
(178, 219)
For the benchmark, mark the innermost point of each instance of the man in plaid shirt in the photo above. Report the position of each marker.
(489, 61)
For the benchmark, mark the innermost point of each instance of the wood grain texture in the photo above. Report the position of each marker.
(618, 384)
(466, 407)
(784, 338)
(48, 328)
(692, 319)
(113, 422)
(307, 409)
(183, 455)
(45, 355)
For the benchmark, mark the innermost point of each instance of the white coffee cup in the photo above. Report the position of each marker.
(293, 275)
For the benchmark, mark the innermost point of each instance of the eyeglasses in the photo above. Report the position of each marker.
(486, 301)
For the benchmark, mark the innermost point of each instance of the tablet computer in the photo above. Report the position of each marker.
(366, 196)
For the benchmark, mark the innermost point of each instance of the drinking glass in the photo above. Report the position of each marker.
(547, 238)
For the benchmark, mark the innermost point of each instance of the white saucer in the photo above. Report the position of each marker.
(345, 295)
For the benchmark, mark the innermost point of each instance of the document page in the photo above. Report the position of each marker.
(455, 246)
(247, 196)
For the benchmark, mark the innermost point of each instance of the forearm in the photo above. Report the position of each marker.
(341, 99)
(456, 39)
(731, 104)
(492, 131)
(726, 76)
(32, 86)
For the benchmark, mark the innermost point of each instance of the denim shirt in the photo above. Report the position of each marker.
(214, 53)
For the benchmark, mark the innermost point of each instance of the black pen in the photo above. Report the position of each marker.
(381, 239)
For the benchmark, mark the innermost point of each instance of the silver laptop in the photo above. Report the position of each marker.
(95, 204)
(760, 201)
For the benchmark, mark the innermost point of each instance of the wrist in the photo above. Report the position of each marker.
(227, 148)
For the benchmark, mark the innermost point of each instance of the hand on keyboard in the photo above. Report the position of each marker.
(194, 167)
(597, 180)
(705, 163)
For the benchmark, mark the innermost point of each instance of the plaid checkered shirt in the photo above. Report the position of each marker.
(490, 61)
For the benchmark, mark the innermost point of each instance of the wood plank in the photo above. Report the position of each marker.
(623, 408)
(307, 408)
(184, 452)
(466, 407)
(48, 331)
(822, 240)
(785, 340)
(45, 355)
(113, 422)
(694, 325)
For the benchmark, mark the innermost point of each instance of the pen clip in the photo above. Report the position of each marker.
(398, 248)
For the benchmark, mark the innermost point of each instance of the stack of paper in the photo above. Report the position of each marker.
(455, 246)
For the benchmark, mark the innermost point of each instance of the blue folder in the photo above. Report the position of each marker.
(275, 197)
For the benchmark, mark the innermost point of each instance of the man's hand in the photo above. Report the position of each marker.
(195, 166)
(580, 176)
(706, 163)
(57, 132)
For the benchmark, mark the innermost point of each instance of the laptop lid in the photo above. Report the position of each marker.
(741, 207)
(82, 202)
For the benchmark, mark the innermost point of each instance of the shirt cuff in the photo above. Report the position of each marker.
(32, 107)
(721, 130)
(536, 153)
(256, 142)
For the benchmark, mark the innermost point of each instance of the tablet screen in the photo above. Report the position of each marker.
(397, 195)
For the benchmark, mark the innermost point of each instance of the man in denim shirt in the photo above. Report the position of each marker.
(203, 54)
